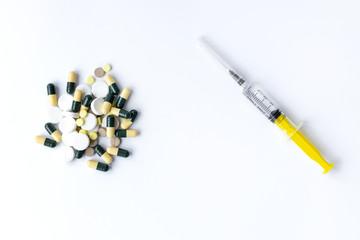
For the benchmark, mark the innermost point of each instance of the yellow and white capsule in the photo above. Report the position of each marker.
(70, 86)
(52, 94)
(114, 89)
(97, 165)
(103, 154)
(110, 126)
(126, 133)
(76, 104)
(126, 123)
(45, 141)
(120, 112)
(124, 95)
(106, 106)
(53, 132)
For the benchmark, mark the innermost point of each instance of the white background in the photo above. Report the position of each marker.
(207, 164)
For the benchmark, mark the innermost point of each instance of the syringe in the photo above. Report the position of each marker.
(268, 107)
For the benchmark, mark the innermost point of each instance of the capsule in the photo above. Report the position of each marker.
(52, 94)
(124, 95)
(118, 152)
(110, 126)
(97, 165)
(53, 132)
(106, 106)
(126, 133)
(76, 104)
(70, 86)
(85, 103)
(120, 112)
(103, 154)
(45, 141)
(126, 123)
(112, 84)
(79, 153)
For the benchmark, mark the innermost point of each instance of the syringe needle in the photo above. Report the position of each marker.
(224, 65)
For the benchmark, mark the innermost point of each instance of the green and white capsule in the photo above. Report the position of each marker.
(70, 86)
(52, 94)
(113, 87)
(49, 127)
(106, 106)
(45, 141)
(126, 133)
(124, 95)
(85, 103)
(126, 123)
(110, 126)
(103, 154)
(79, 153)
(76, 104)
(97, 165)
(120, 112)
(118, 152)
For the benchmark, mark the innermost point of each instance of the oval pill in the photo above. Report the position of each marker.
(52, 94)
(115, 141)
(76, 103)
(126, 123)
(106, 106)
(118, 152)
(97, 165)
(120, 112)
(110, 126)
(112, 84)
(103, 154)
(54, 133)
(126, 133)
(80, 122)
(70, 86)
(45, 141)
(85, 103)
(124, 95)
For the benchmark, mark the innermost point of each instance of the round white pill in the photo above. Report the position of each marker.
(81, 142)
(70, 114)
(94, 129)
(65, 102)
(67, 124)
(69, 154)
(100, 89)
(96, 105)
(117, 121)
(54, 114)
(90, 122)
(69, 138)
(85, 90)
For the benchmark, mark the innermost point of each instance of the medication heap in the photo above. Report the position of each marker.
(86, 112)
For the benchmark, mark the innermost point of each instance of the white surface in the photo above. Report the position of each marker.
(206, 164)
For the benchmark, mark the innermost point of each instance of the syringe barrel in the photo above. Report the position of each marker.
(270, 109)
(258, 97)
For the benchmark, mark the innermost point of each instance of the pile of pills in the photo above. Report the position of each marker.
(87, 112)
